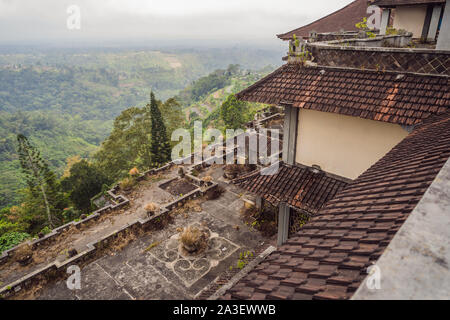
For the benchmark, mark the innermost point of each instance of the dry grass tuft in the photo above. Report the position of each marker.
(127, 183)
(122, 241)
(193, 239)
(151, 207)
(24, 254)
(207, 179)
(188, 207)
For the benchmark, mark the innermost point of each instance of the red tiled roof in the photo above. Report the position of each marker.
(399, 98)
(393, 3)
(343, 19)
(328, 258)
(296, 185)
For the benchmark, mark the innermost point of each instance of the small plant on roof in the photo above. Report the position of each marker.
(303, 56)
(294, 44)
(296, 41)
(370, 34)
(362, 25)
(390, 31)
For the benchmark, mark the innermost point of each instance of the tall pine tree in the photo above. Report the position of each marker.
(160, 144)
(41, 180)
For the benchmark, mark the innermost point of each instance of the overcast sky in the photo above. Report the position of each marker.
(34, 21)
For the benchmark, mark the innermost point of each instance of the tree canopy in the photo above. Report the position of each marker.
(233, 112)
(85, 181)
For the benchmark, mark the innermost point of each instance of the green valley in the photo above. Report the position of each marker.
(65, 101)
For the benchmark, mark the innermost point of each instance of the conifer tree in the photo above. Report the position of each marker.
(41, 180)
(160, 144)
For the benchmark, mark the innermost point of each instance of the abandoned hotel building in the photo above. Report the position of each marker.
(362, 189)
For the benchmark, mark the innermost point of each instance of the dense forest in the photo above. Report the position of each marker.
(87, 119)
(65, 101)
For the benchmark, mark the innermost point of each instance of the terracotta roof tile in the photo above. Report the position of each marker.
(366, 94)
(329, 260)
(296, 185)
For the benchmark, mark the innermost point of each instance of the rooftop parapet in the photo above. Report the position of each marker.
(382, 53)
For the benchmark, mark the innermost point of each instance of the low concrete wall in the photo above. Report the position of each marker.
(118, 201)
(383, 53)
(56, 268)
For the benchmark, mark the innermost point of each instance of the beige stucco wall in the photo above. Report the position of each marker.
(343, 145)
(410, 18)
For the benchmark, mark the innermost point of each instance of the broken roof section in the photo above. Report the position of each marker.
(299, 186)
(328, 258)
(400, 98)
(343, 19)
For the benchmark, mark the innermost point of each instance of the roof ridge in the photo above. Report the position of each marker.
(262, 80)
(320, 19)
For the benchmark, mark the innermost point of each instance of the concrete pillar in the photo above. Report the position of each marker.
(290, 134)
(286, 129)
(443, 42)
(283, 223)
(426, 23)
(259, 202)
(293, 136)
(436, 15)
(385, 15)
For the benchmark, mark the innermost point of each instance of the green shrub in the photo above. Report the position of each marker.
(6, 226)
(46, 230)
(70, 214)
(11, 239)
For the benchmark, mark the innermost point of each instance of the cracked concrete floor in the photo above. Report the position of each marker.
(147, 191)
(163, 272)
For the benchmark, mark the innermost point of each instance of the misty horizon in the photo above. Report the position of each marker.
(156, 22)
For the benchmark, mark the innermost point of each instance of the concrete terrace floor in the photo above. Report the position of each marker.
(163, 272)
(147, 191)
